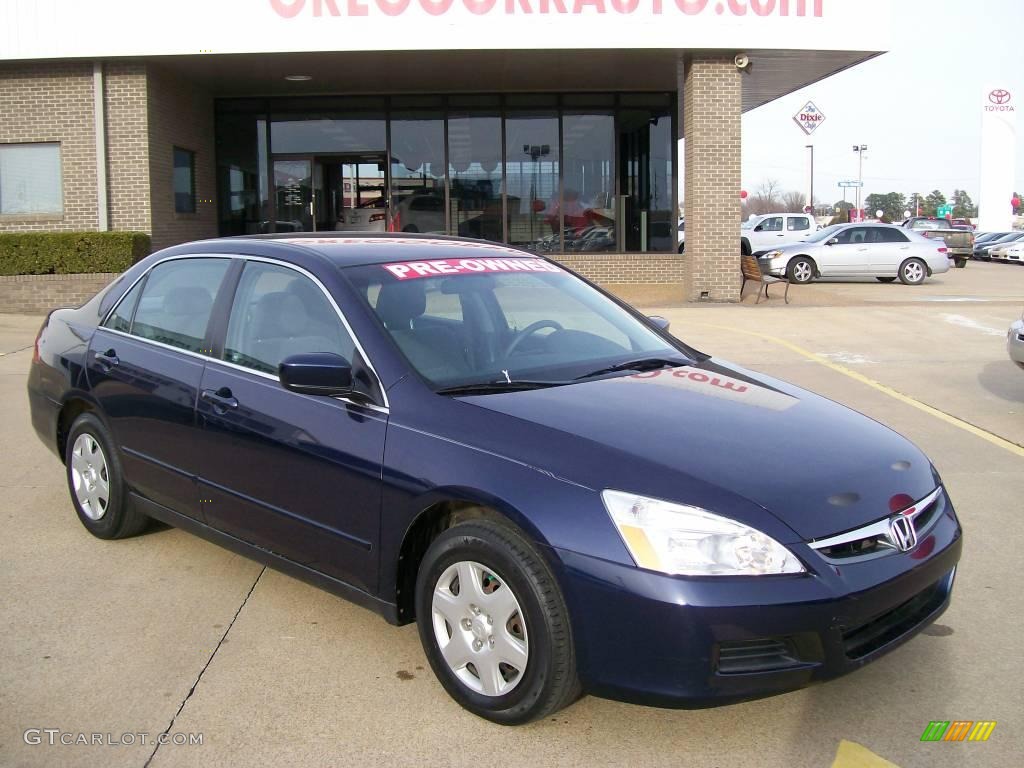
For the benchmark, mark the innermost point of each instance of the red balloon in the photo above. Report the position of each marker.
(1015, 202)
(743, 194)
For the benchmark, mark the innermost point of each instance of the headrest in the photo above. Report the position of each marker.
(280, 315)
(399, 302)
(188, 300)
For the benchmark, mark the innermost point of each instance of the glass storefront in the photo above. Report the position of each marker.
(550, 173)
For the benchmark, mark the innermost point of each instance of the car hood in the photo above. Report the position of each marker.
(711, 431)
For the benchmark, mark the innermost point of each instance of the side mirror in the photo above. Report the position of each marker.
(316, 373)
(833, 241)
(659, 321)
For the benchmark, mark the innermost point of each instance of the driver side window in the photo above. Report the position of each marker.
(773, 224)
(278, 312)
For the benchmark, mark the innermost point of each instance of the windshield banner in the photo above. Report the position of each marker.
(410, 270)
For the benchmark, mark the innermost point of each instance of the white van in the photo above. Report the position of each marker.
(767, 232)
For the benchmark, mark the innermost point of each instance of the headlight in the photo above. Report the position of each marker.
(678, 539)
(772, 254)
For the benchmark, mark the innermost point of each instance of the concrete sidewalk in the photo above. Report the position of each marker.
(167, 631)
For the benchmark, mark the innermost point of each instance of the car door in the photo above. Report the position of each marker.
(770, 233)
(847, 255)
(798, 228)
(889, 247)
(144, 368)
(294, 474)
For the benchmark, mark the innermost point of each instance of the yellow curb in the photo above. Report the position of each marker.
(997, 441)
(853, 755)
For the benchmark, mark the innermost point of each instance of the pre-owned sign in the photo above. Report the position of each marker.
(809, 118)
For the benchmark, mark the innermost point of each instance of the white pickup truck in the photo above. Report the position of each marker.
(769, 231)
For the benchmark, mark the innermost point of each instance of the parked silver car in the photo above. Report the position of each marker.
(882, 251)
(1015, 342)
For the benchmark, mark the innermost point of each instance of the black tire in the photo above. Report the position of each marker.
(682, 247)
(885, 279)
(117, 518)
(801, 270)
(745, 247)
(961, 262)
(411, 228)
(549, 681)
(918, 272)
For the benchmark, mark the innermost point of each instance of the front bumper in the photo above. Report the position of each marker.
(653, 639)
(1015, 342)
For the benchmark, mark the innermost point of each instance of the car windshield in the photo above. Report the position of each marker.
(929, 224)
(501, 321)
(824, 234)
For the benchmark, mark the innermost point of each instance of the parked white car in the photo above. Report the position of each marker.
(763, 233)
(371, 216)
(882, 251)
(1013, 251)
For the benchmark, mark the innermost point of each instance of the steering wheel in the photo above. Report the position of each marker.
(529, 330)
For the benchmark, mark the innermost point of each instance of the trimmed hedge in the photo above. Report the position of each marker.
(68, 253)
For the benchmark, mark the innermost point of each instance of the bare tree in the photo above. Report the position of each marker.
(765, 199)
(793, 201)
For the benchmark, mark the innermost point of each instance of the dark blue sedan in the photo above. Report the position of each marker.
(563, 496)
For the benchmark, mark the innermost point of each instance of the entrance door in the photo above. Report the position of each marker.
(295, 195)
(359, 189)
(331, 193)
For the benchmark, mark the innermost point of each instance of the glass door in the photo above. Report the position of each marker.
(358, 187)
(294, 196)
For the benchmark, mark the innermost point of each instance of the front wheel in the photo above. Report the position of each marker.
(494, 625)
(913, 272)
(800, 270)
(885, 279)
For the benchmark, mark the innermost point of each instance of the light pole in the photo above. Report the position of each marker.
(810, 199)
(860, 149)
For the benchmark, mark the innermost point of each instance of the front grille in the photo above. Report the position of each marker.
(883, 629)
(873, 540)
(763, 655)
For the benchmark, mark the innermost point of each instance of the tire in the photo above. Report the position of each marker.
(411, 228)
(535, 632)
(92, 463)
(885, 279)
(744, 247)
(682, 247)
(960, 263)
(913, 272)
(800, 270)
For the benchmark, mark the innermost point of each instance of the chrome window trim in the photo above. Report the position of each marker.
(386, 408)
(878, 528)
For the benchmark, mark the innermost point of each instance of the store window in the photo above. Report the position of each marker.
(645, 183)
(588, 195)
(242, 174)
(309, 134)
(30, 179)
(531, 180)
(474, 167)
(417, 172)
(184, 181)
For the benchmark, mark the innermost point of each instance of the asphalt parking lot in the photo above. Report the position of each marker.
(165, 631)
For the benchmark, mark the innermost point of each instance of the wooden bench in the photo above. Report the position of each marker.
(752, 271)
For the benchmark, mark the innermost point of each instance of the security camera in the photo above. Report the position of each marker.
(742, 61)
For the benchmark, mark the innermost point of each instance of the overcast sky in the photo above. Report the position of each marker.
(916, 107)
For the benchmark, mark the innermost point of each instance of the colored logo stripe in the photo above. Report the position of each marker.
(982, 730)
(958, 730)
(935, 730)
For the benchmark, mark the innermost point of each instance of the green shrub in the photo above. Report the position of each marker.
(66, 253)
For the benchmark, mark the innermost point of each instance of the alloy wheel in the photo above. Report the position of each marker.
(90, 476)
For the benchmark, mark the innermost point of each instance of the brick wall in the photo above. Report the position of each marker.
(127, 146)
(180, 115)
(53, 102)
(711, 89)
(38, 294)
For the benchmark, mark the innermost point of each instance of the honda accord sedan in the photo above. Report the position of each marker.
(882, 251)
(565, 498)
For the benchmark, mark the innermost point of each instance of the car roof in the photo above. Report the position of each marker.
(349, 249)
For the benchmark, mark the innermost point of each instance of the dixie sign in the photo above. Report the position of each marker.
(809, 118)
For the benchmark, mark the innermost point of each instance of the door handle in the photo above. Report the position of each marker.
(106, 359)
(222, 400)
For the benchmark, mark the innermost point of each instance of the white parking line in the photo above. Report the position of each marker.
(974, 325)
(850, 358)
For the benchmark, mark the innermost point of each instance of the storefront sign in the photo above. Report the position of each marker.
(32, 29)
(998, 157)
(809, 118)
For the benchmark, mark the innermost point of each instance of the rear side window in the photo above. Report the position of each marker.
(279, 312)
(888, 235)
(121, 318)
(177, 301)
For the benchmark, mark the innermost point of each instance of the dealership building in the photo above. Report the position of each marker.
(553, 125)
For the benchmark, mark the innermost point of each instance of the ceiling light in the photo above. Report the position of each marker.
(298, 78)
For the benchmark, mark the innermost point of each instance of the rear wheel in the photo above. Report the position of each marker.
(885, 279)
(913, 272)
(494, 625)
(800, 270)
(96, 482)
(745, 247)
(961, 262)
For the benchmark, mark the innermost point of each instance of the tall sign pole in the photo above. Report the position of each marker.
(998, 158)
